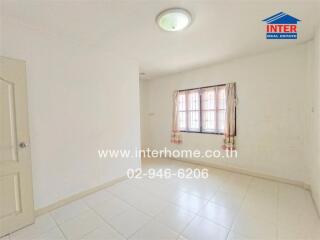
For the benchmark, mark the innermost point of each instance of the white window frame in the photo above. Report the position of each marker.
(217, 130)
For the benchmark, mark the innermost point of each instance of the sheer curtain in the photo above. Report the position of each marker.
(230, 117)
(175, 133)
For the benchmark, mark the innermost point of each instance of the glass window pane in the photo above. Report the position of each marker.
(194, 120)
(208, 99)
(182, 101)
(221, 98)
(182, 121)
(193, 100)
(208, 120)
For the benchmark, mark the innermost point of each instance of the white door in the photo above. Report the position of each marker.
(16, 201)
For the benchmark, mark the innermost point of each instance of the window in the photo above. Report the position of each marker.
(202, 110)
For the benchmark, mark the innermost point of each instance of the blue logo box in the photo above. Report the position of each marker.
(281, 35)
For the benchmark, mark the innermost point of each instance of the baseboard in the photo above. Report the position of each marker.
(246, 172)
(77, 196)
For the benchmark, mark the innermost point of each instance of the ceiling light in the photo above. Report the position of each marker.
(174, 19)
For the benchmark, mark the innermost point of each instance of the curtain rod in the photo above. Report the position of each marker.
(219, 85)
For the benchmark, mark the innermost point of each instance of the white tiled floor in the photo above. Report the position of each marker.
(225, 206)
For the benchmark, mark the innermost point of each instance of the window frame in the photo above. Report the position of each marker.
(200, 107)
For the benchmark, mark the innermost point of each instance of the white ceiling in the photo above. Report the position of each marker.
(220, 30)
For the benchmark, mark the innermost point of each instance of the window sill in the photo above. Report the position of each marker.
(213, 133)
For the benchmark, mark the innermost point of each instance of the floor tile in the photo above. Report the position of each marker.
(294, 231)
(82, 224)
(175, 218)
(98, 197)
(315, 229)
(240, 179)
(42, 225)
(203, 229)
(201, 189)
(261, 204)
(147, 203)
(129, 222)
(231, 201)
(190, 202)
(155, 231)
(263, 185)
(218, 214)
(69, 211)
(165, 191)
(123, 190)
(255, 227)
(305, 225)
(103, 233)
(263, 211)
(111, 208)
(182, 238)
(236, 236)
(54, 234)
(287, 193)
(234, 187)
(237, 184)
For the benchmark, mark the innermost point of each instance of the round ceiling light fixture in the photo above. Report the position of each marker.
(174, 19)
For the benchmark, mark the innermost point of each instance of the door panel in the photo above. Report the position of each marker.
(10, 197)
(8, 141)
(16, 197)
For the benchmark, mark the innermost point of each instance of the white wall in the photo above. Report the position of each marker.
(270, 111)
(80, 99)
(313, 130)
(143, 113)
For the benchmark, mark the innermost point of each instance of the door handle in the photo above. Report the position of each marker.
(23, 145)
